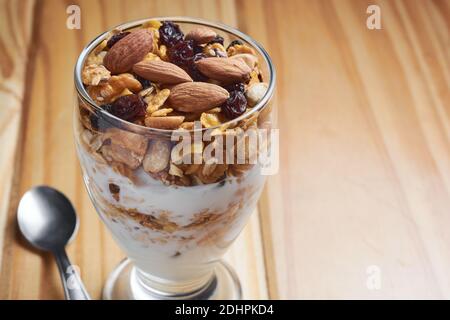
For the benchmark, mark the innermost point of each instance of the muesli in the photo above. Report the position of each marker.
(154, 194)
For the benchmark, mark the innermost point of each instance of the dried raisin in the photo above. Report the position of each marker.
(235, 105)
(170, 34)
(235, 87)
(184, 55)
(144, 82)
(130, 107)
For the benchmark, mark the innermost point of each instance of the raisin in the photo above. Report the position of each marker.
(181, 53)
(130, 107)
(193, 71)
(184, 55)
(235, 105)
(235, 87)
(217, 39)
(144, 82)
(198, 49)
(170, 34)
(233, 43)
(115, 38)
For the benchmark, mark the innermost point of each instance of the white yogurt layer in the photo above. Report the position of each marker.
(171, 259)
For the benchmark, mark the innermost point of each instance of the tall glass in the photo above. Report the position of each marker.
(174, 234)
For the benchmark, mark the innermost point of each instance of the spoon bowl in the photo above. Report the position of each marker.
(48, 221)
(46, 218)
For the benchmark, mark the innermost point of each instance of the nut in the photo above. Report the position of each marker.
(239, 48)
(224, 69)
(113, 88)
(208, 176)
(175, 171)
(161, 72)
(93, 74)
(128, 51)
(255, 93)
(249, 59)
(197, 96)
(157, 157)
(168, 123)
(125, 147)
(201, 35)
(215, 50)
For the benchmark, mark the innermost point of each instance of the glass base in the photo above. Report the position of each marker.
(123, 284)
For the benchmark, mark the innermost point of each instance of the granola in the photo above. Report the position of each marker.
(166, 142)
(166, 107)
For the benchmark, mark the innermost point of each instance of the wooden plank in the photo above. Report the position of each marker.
(49, 155)
(365, 148)
(16, 19)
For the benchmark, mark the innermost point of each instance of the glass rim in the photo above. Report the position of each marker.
(83, 94)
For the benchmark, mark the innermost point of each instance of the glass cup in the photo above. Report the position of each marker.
(173, 231)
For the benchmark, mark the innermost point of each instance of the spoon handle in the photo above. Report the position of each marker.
(73, 286)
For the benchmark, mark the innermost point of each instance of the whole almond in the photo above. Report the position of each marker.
(161, 72)
(201, 35)
(197, 96)
(225, 70)
(128, 51)
(169, 122)
(157, 157)
(249, 59)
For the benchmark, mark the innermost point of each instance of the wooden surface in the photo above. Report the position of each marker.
(365, 145)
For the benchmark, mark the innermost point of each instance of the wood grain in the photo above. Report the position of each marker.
(15, 23)
(49, 156)
(365, 151)
(364, 119)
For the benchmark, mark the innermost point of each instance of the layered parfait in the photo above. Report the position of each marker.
(172, 209)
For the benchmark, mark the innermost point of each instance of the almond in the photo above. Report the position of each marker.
(197, 96)
(169, 123)
(225, 70)
(249, 59)
(128, 51)
(161, 72)
(201, 35)
(157, 156)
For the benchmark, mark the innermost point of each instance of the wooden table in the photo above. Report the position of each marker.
(361, 205)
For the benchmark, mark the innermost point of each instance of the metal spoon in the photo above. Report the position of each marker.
(48, 221)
